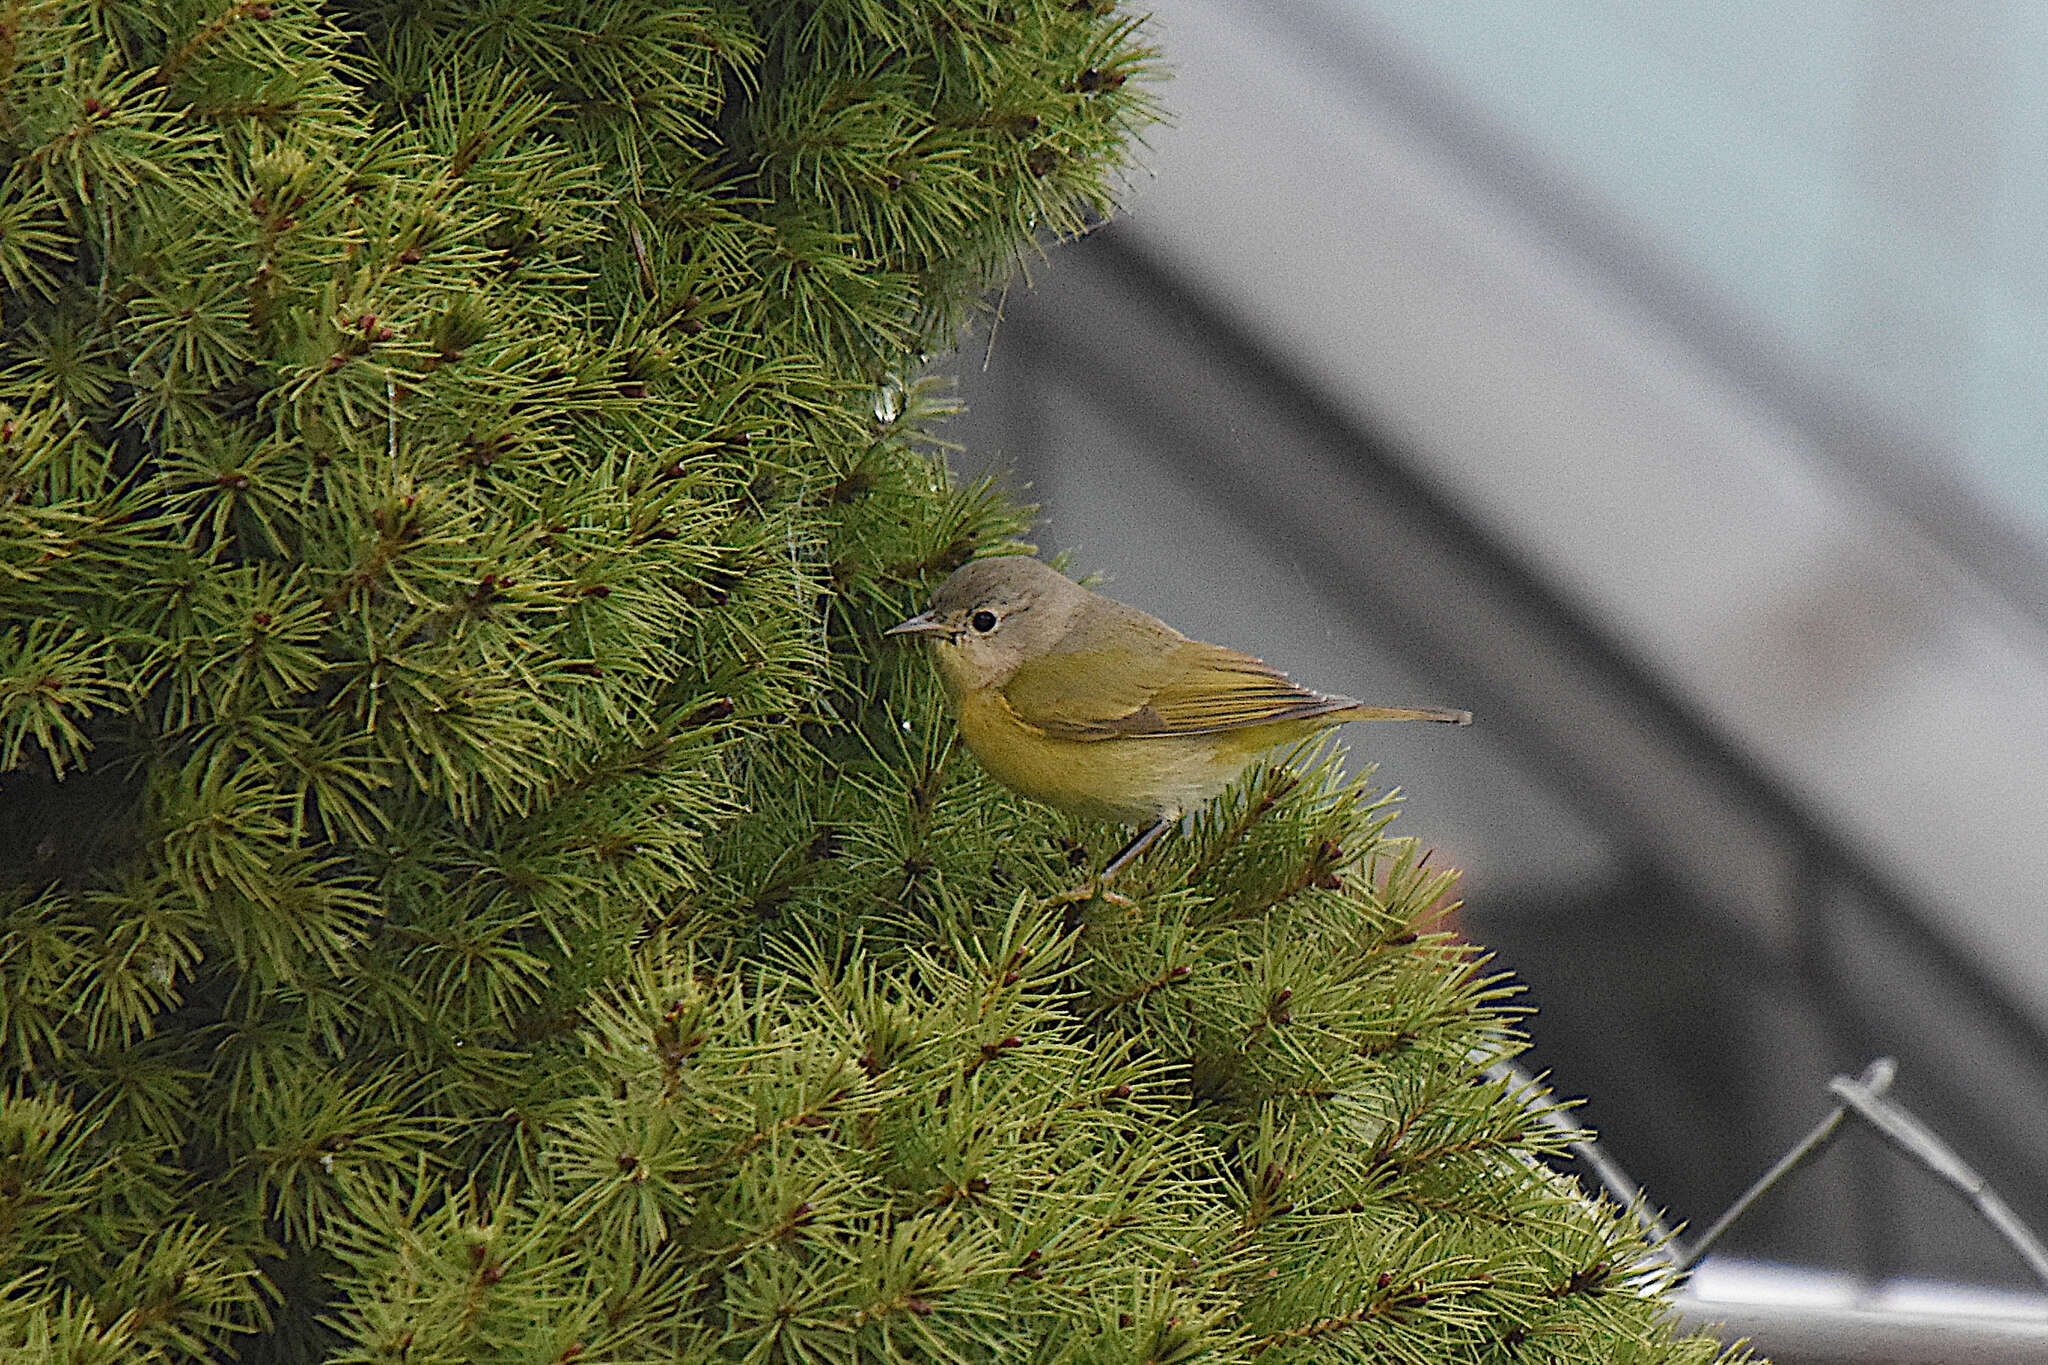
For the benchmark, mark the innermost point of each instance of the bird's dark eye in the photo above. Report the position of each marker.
(983, 620)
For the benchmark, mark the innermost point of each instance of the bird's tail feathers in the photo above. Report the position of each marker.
(1442, 715)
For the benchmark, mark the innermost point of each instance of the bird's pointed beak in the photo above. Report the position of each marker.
(924, 623)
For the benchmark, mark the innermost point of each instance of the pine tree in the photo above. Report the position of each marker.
(473, 883)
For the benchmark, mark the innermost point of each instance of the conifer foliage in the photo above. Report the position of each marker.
(473, 883)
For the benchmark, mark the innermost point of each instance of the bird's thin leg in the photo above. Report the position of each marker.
(1132, 851)
(1098, 885)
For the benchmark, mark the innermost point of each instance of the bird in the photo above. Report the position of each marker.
(1105, 711)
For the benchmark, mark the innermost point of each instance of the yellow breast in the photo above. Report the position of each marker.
(1132, 780)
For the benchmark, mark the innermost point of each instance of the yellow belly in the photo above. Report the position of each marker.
(1134, 780)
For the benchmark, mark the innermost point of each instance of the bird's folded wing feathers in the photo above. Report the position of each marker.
(1142, 685)
(1225, 690)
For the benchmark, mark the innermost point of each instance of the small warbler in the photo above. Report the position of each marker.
(1104, 711)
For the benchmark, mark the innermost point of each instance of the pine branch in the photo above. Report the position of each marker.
(466, 850)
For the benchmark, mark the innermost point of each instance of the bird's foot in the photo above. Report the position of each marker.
(1097, 888)
(1084, 895)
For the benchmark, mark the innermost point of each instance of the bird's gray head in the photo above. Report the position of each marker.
(992, 615)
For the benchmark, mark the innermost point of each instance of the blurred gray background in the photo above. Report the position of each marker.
(1669, 385)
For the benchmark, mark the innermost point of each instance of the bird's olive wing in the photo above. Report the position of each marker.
(1135, 676)
(1220, 689)
(1096, 678)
